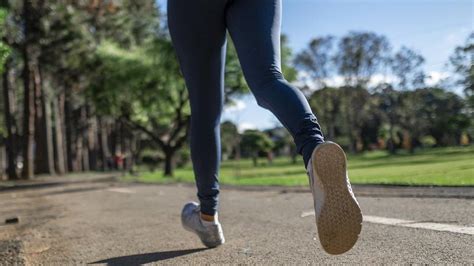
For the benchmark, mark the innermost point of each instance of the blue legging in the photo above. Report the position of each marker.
(198, 30)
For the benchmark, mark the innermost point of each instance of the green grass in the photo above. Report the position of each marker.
(439, 167)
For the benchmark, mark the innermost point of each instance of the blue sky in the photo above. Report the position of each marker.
(431, 27)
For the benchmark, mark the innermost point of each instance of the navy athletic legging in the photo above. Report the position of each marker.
(198, 30)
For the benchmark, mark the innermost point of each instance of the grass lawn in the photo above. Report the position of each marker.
(438, 166)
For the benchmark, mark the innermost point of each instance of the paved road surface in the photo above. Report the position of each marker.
(130, 224)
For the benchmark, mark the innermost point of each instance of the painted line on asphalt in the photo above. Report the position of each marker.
(121, 190)
(469, 230)
(452, 228)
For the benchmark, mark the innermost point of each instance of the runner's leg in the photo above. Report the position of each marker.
(198, 32)
(255, 29)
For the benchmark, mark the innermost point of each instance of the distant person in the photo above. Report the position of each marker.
(198, 30)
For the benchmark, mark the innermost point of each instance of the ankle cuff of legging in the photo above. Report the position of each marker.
(208, 210)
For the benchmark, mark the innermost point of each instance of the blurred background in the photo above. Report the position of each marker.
(94, 85)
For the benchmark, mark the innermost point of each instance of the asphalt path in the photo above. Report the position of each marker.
(114, 223)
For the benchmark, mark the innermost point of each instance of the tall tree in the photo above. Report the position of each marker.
(406, 65)
(390, 106)
(360, 56)
(462, 62)
(144, 88)
(31, 13)
(327, 103)
(316, 60)
(10, 131)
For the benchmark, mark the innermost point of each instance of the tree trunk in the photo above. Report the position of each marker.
(44, 155)
(104, 144)
(68, 115)
(332, 131)
(92, 139)
(78, 146)
(238, 156)
(3, 164)
(58, 110)
(391, 144)
(29, 117)
(134, 151)
(84, 147)
(349, 121)
(10, 123)
(128, 152)
(169, 162)
(293, 153)
(79, 142)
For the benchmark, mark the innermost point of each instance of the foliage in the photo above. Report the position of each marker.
(317, 60)
(360, 55)
(4, 49)
(462, 63)
(406, 65)
(229, 138)
(101, 79)
(254, 141)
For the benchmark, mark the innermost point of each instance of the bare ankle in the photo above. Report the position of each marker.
(207, 218)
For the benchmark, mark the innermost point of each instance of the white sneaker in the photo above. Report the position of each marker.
(338, 215)
(210, 233)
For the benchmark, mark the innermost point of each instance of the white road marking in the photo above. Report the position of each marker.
(422, 225)
(308, 213)
(469, 230)
(121, 190)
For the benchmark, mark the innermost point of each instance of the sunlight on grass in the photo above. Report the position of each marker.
(441, 166)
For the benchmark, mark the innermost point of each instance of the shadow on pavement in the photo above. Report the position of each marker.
(140, 259)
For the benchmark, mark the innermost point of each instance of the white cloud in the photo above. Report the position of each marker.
(381, 78)
(237, 106)
(338, 81)
(245, 126)
(434, 77)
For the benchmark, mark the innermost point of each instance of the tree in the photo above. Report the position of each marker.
(235, 83)
(444, 112)
(389, 103)
(7, 133)
(327, 103)
(462, 64)
(287, 67)
(127, 23)
(356, 108)
(32, 11)
(360, 56)
(4, 49)
(229, 138)
(253, 142)
(316, 60)
(406, 65)
(143, 88)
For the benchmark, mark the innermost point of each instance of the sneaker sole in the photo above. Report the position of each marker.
(340, 221)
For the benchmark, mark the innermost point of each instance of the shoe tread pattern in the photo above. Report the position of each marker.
(340, 219)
